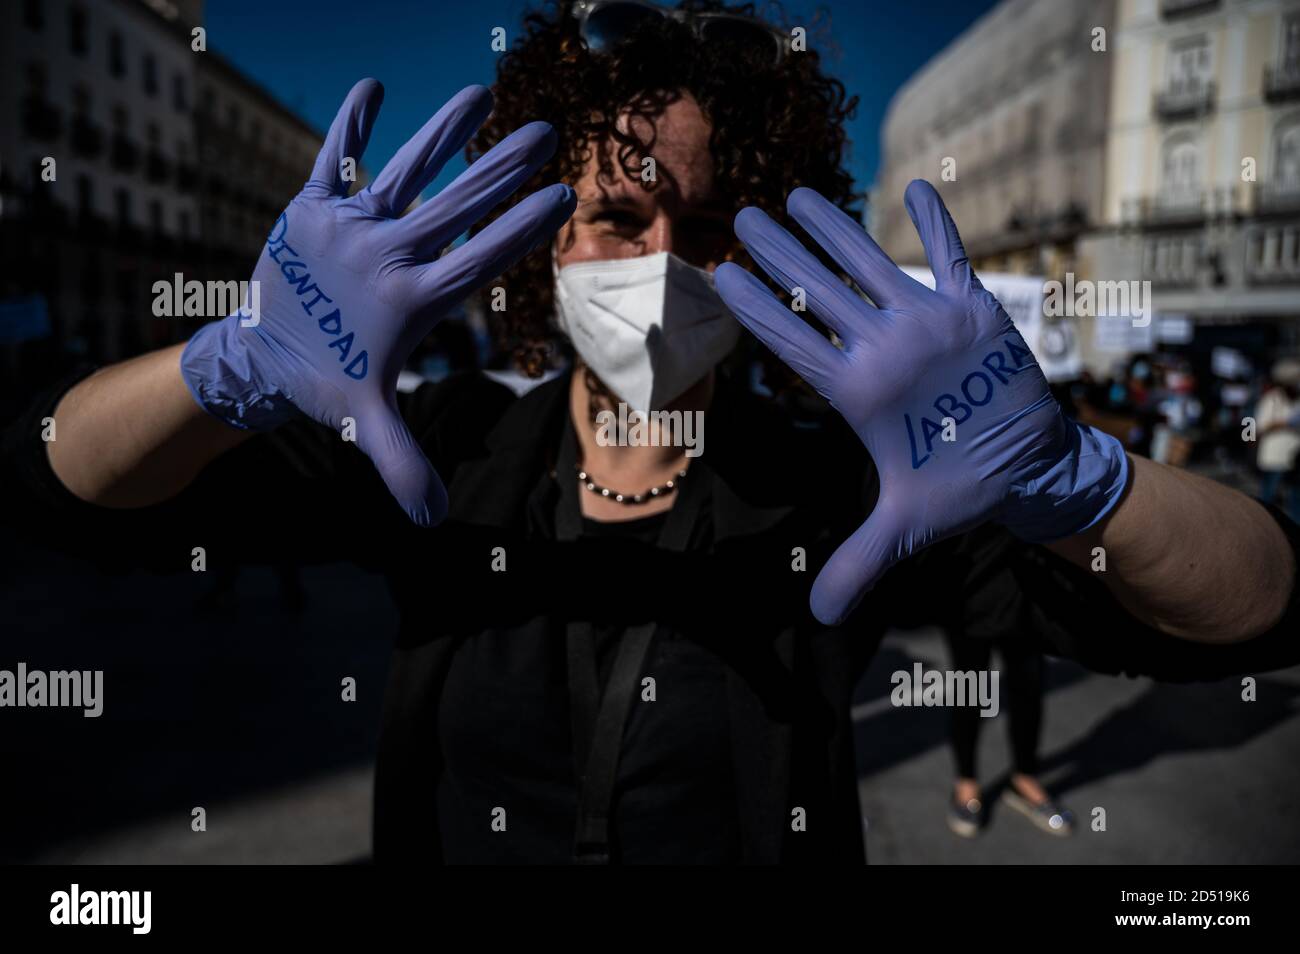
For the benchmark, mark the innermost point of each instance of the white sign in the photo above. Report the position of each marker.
(1121, 333)
(1174, 329)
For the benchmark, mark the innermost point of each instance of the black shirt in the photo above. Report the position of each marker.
(506, 745)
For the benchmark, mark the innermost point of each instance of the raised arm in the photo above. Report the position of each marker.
(130, 435)
(348, 286)
(1189, 556)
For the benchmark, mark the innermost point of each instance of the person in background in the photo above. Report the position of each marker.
(1139, 383)
(1279, 439)
(1022, 676)
(1180, 412)
(1235, 396)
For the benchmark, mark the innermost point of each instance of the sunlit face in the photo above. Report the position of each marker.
(618, 218)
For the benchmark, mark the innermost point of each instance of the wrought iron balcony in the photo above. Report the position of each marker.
(1173, 261)
(1273, 198)
(1282, 83)
(1176, 205)
(1273, 255)
(1186, 99)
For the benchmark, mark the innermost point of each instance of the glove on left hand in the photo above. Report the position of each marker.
(915, 365)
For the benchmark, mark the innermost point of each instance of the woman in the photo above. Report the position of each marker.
(578, 678)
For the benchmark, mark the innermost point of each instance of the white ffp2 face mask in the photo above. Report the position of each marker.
(649, 327)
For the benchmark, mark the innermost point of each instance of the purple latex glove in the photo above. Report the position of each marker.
(349, 286)
(916, 358)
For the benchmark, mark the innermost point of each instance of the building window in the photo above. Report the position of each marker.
(81, 101)
(116, 55)
(121, 120)
(1286, 155)
(78, 41)
(1290, 59)
(1189, 65)
(180, 94)
(156, 217)
(153, 134)
(36, 80)
(183, 223)
(92, 283)
(34, 14)
(126, 288)
(85, 197)
(1180, 166)
(150, 75)
(122, 203)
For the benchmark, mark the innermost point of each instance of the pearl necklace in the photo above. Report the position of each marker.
(662, 490)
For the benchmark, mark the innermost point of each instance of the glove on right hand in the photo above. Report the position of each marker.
(349, 286)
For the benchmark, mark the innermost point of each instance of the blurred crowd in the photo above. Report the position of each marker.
(1236, 422)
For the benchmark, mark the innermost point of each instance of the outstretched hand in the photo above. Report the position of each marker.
(938, 384)
(349, 285)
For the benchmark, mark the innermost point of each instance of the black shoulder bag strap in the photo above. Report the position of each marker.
(598, 720)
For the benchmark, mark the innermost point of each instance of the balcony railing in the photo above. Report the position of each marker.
(1177, 205)
(1272, 198)
(1282, 82)
(1183, 8)
(1183, 206)
(1173, 260)
(42, 120)
(1273, 255)
(1184, 100)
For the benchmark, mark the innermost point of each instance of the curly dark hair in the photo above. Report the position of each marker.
(774, 127)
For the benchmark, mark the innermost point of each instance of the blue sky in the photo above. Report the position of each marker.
(309, 52)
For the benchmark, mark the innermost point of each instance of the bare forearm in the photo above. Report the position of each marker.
(131, 435)
(1191, 557)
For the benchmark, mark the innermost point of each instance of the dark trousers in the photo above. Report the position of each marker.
(1021, 688)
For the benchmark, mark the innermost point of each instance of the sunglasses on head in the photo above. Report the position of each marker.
(603, 24)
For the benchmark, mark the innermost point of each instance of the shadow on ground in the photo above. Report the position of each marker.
(205, 701)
